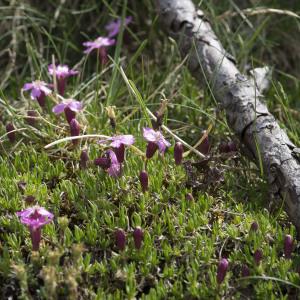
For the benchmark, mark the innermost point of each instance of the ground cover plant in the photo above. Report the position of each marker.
(127, 210)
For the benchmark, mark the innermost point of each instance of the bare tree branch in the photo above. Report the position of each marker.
(264, 140)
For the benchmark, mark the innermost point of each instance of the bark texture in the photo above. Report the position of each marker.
(246, 112)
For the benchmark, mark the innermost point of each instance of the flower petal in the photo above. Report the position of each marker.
(35, 93)
(115, 168)
(59, 108)
(75, 106)
(27, 86)
(149, 134)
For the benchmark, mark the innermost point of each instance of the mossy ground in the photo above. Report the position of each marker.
(184, 239)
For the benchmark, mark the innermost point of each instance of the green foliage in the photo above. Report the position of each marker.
(183, 239)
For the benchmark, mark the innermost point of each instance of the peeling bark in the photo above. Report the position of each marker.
(246, 112)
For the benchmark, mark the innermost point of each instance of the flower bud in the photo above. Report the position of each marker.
(61, 85)
(245, 271)
(138, 236)
(120, 153)
(74, 129)
(69, 114)
(31, 117)
(151, 149)
(258, 256)
(222, 270)
(288, 246)
(144, 180)
(10, 132)
(103, 162)
(120, 239)
(254, 226)
(178, 152)
(84, 158)
(41, 99)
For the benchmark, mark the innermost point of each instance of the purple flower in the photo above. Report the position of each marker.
(61, 72)
(69, 107)
(35, 218)
(222, 270)
(114, 169)
(288, 246)
(109, 163)
(118, 143)
(101, 43)
(155, 141)
(113, 27)
(144, 180)
(178, 152)
(120, 236)
(39, 90)
(11, 134)
(138, 236)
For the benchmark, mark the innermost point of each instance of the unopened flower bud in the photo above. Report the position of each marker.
(245, 271)
(144, 180)
(258, 256)
(254, 226)
(151, 149)
(222, 270)
(120, 153)
(178, 152)
(120, 239)
(69, 114)
(10, 132)
(84, 158)
(74, 129)
(41, 99)
(288, 246)
(103, 162)
(138, 236)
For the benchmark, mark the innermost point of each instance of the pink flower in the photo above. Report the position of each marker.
(39, 89)
(101, 43)
(118, 143)
(69, 107)
(35, 218)
(109, 163)
(113, 27)
(155, 141)
(115, 167)
(61, 72)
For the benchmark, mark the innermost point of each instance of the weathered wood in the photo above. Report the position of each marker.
(246, 112)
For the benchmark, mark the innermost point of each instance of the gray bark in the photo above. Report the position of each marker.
(246, 112)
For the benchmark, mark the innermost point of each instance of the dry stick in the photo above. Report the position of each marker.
(264, 141)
